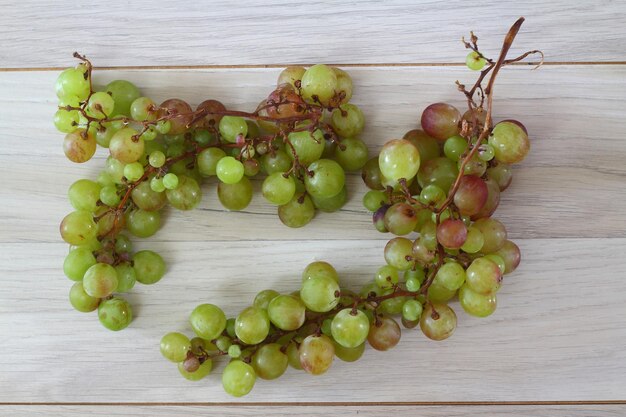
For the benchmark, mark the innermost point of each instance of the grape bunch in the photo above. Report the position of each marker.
(302, 138)
(442, 181)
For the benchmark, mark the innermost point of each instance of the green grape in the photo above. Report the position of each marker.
(92, 245)
(115, 169)
(204, 369)
(78, 228)
(501, 174)
(143, 109)
(207, 321)
(412, 310)
(125, 146)
(384, 333)
(316, 354)
(263, 298)
(344, 84)
(441, 172)
(319, 84)
(229, 170)
(486, 152)
(493, 199)
(400, 219)
(269, 362)
(286, 312)
(123, 244)
(103, 137)
(510, 142)
(474, 61)
(427, 146)
(79, 148)
(483, 276)
(149, 266)
(475, 166)
(350, 329)
(399, 159)
(438, 321)
(441, 120)
(371, 174)
(100, 280)
(232, 126)
(82, 301)
(511, 255)
(100, 105)
(142, 223)
(374, 199)
(77, 262)
(494, 234)
(252, 325)
(327, 181)
(146, 198)
(347, 120)
(278, 189)
(235, 196)
(175, 346)
(84, 194)
(290, 75)
(498, 260)
(432, 195)
(428, 235)
(133, 171)
(223, 343)
(308, 146)
(331, 204)
(392, 306)
(320, 269)
(164, 127)
(278, 161)
(115, 313)
(349, 354)
(293, 356)
(109, 195)
(72, 83)
(66, 121)
(454, 147)
(352, 154)
(398, 253)
(170, 181)
(297, 213)
(413, 284)
(208, 159)
(238, 378)
(319, 293)
(187, 194)
(386, 276)
(474, 241)
(156, 185)
(438, 293)
(124, 93)
(476, 304)
(451, 275)
(126, 277)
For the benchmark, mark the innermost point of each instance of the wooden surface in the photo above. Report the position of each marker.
(559, 331)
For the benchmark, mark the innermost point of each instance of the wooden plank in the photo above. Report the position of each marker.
(119, 33)
(315, 411)
(558, 334)
(575, 168)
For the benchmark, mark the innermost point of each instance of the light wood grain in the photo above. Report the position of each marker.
(315, 411)
(557, 335)
(575, 169)
(118, 32)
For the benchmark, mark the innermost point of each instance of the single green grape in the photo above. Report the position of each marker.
(77, 262)
(124, 93)
(454, 147)
(142, 223)
(126, 277)
(204, 369)
(263, 298)
(232, 126)
(352, 154)
(269, 362)
(115, 313)
(208, 159)
(320, 269)
(278, 189)
(238, 378)
(208, 321)
(78, 227)
(350, 328)
(474, 61)
(319, 293)
(319, 84)
(143, 109)
(82, 301)
(450, 275)
(175, 346)
(100, 105)
(149, 266)
(156, 159)
(412, 310)
(308, 146)
(229, 170)
(298, 212)
(84, 194)
(100, 280)
(327, 180)
(386, 276)
(286, 312)
(347, 120)
(186, 195)
(399, 159)
(476, 304)
(235, 196)
(252, 325)
(375, 199)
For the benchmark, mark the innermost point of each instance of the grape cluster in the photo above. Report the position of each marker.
(442, 181)
(302, 137)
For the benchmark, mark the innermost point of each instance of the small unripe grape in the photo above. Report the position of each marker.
(474, 61)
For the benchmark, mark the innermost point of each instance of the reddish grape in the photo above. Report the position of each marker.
(494, 233)
(471, 195)
(441, 120)
(511, 254)
(174, 107)
(438, 321)
(452, 233)
(384, 333)
(493, 199)
(400, 219)
(210, 119)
